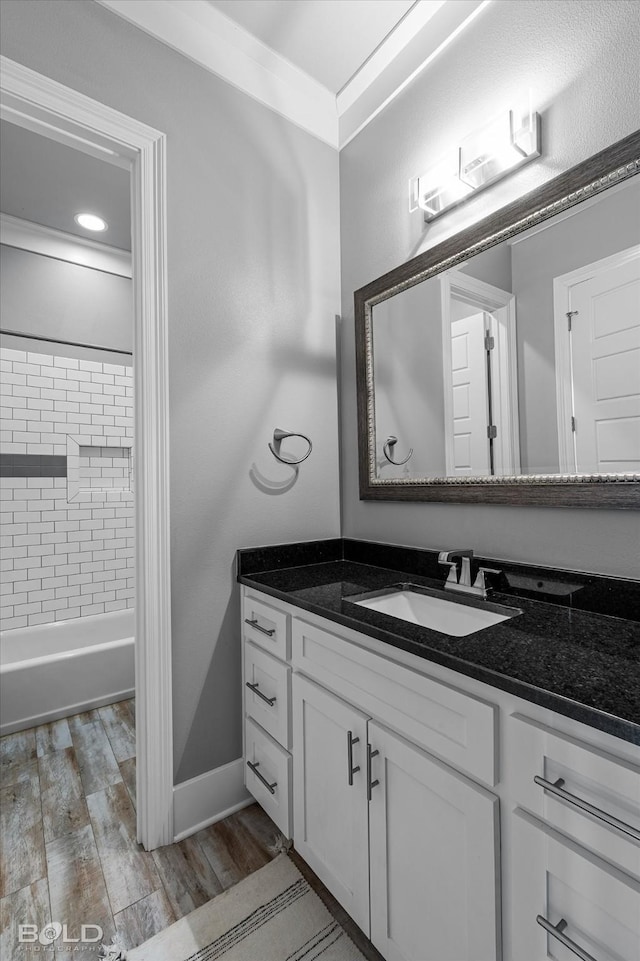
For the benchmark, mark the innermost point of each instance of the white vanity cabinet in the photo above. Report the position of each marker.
(452, 820)
(409, 846)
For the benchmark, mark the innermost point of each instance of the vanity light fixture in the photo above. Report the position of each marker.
(502, 145)
(90, 222)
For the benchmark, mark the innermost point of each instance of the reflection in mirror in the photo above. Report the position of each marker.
(525, 359)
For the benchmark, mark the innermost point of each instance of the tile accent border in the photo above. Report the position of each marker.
(33, 465)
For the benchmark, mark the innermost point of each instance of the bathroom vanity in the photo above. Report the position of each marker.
(464, 797)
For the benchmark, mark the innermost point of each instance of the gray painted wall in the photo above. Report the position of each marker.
(52, 298)
(409, 385)
(253, 279)
(581, 61)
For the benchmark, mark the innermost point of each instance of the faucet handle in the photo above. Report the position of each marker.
(452, 579)
(480, 582)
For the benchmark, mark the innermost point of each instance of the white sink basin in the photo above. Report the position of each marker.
(437, 613)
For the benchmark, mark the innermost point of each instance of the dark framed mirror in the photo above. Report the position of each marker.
(503, 365)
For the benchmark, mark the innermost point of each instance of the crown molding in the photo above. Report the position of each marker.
(426, 31)
(48, 242)
(202, 33)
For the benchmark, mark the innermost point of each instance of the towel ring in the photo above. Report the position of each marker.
(278, 437)
(387, 450)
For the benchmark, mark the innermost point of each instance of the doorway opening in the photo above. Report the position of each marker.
(43, 106)
(480, 377)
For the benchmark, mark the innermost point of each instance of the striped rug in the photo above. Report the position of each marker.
(273, 915)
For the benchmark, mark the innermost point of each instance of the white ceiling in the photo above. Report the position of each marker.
(45, 182)
(328, 39)
(329, 66)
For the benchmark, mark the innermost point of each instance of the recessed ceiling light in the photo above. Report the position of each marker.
(90, 222)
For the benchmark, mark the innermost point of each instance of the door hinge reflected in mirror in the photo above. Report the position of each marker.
(492, 431)
(489, 341)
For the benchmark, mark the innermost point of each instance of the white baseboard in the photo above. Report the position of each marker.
(208, 798)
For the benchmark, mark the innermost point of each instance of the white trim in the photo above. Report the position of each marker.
(562, 344)
(201, 32)
(208, 798)
(40, 104)
(392, 46)
(430, 41)
(501, 304)
(38, 239)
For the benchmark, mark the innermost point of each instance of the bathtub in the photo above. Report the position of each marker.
(55, 670)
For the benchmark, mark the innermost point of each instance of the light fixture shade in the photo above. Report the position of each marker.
(441, 187)
(505, 143)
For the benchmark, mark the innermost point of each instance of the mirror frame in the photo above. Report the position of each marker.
(605, 169)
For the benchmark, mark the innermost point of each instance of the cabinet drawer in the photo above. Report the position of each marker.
(267, 693)
(608, 786)
(556, 880)
(457, 727)
(266, 761)
(266, 626)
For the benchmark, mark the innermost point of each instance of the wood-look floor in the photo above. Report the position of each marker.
(68, 849)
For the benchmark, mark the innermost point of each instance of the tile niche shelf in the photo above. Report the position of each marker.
(101, 471)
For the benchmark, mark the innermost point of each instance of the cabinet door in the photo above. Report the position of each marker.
(330, 815)
(559, 885)
(434, 850)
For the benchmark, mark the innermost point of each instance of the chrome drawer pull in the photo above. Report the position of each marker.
(351, 740)
(256, 690)
(263, 630)
(271, 788)
(370, 784)
(556, 787)
(557, 931)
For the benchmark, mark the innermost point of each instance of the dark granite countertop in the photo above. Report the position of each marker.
(580, 663)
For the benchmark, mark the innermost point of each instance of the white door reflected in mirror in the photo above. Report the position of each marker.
(597, 324)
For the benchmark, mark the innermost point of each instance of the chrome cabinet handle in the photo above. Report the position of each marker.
(263, 630)
(370, 784)
(256, 690)
(351, 740)
(556, 787)
(271, 788)
(557, 931)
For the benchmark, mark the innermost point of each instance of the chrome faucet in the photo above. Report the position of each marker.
(463, 583)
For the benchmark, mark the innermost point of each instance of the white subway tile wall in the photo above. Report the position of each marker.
(64, 558)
